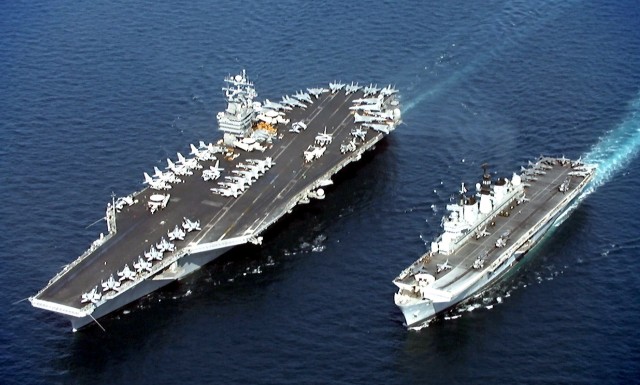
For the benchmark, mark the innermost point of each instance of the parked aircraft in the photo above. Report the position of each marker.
(165, 245)
(274, 106)
(371, 90)
(388, 90)
(126, 273)
(359, 133)
(201, 154)
(190, 226)
(178, 169)
(323, 138)
(226, 192)
(153, 254)
(176, 234)
(141, 265)
(336, 86)
(213, 173)
(111, 284)
(293, 102)
(316, 92)
(155, 184)
(348, 147)
(92, 296)
(352, 88)
(443, 266)
(384, 128)
(189, 163)
(303, 97)
(313, 152)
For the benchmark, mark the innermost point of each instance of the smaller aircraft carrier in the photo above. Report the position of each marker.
(272, 157)
(487, 234)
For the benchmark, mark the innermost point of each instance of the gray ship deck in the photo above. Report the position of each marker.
(265, 200)
(543, 195)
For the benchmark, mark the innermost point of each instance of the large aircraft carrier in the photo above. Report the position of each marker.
(487, 235)
(272, 157)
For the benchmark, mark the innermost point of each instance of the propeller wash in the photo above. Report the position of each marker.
(272, 157)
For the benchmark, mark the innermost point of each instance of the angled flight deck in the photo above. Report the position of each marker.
(273, 156)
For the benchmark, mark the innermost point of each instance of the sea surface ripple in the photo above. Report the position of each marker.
(95, 93)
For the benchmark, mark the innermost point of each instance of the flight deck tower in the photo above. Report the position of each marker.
(238, 117)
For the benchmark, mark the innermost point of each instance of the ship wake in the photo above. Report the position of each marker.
(615, 150)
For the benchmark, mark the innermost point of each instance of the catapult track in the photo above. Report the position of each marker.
(225, 221)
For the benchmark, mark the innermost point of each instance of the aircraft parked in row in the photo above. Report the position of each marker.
(336, 86)
(126, 273)
(190, 226)
(176, 234)
(92, 296)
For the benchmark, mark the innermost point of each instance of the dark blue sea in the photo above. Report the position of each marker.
(94, 93)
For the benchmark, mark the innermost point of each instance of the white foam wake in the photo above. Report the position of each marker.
(616, 149)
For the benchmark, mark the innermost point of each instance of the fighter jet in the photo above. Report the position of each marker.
(153, 254)
(176, 234)
(201, 155)
(577, 163)
(322, 139)
(212, 148)
(165, 245)
(124, 201)
(366, 107)
(388, 90)
(482, 233)
(167, 177)
(190, 226)
(358, 133)
(241, 181)
(251, 173)
(297, 126)
(312, 153)
(502, 241)
(226, 192)
(155, 184)
(316, 92)
(384, 128)
(348, 147)
(564, 187)
(303, 97)
(443, 266)
(178, 169)
(92, 296)
(141, 265)
(371, 90)
(262, 165)
(374, 100)
(357, 118)
(126, 273)
(352, 88)
(111, 284)
(522, 199)
(190, 163)
(274, 106)
(213, 173)
(336, 86)
(479, 262)
(293, 102)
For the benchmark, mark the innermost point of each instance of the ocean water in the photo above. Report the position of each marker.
(92, 94)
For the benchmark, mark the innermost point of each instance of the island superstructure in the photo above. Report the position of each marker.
(272, 157)
(487, 234)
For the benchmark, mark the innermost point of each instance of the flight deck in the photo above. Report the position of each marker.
(309, 143)
(486, 235)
